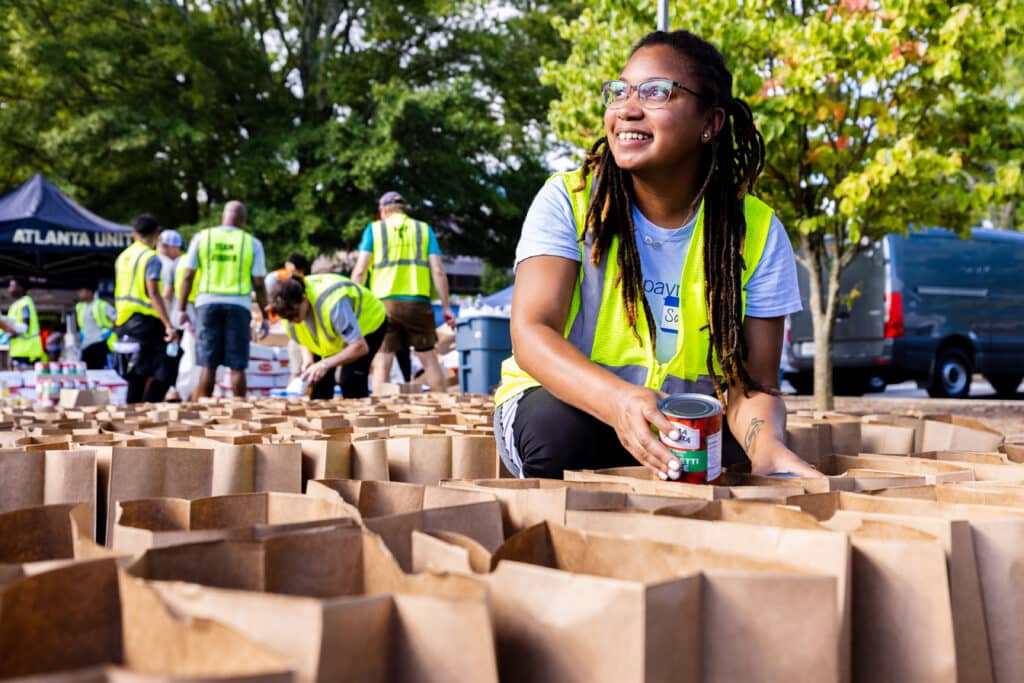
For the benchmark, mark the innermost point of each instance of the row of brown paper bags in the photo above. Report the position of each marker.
(924, 587)
(102, 476)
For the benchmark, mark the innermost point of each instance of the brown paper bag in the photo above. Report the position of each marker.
(795, 541)
(640, 479)
(114, 674)
(845, 431)
(958, 433)
(824, 505)
(812, 441)
(527, 502)
(326, 459)
(886, 439)
(161, 522)
(474, 457)
(277, 563)
(370, 460)
(30, 479)
(897, 565)
(999, 546)
(364, 639)
(201, 472)
(90, 613)
(934, 472)
(479, 521)
(559, 596)
(48, 532)
(379, 499)
(420, 459)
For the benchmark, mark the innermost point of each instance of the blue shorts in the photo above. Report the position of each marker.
(223, 336)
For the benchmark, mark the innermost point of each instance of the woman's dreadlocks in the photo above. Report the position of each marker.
(734, 162)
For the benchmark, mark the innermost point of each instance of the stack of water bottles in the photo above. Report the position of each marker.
(52, 377)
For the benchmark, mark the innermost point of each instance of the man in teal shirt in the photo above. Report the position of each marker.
(403, 259)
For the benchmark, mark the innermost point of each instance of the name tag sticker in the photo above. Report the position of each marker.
(670, 315)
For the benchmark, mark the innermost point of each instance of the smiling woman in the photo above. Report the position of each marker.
(650, 270)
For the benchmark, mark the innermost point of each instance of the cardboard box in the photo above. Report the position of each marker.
(76, 398)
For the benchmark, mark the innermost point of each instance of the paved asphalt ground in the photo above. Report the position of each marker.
(1004, 415)
(980, 389)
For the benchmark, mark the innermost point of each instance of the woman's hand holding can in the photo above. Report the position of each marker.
(636, 411)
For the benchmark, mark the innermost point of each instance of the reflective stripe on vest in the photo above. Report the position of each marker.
(179, 278)
(130, 295)
(225, 261)
(99, 314)
(98, 310)
(598, 325)
(400, 266)
(323, 292)
(28, 345)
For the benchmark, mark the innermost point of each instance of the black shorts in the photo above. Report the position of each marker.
(223, 336)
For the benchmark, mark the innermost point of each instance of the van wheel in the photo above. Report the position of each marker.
(952, 376)
(1005, 384)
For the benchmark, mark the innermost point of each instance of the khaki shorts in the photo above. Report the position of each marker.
(410, 323)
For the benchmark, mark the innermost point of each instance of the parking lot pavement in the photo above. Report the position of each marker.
(980, 389)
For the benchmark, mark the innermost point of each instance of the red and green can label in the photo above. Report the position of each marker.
(696, 438)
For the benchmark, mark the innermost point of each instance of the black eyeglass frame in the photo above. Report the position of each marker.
(614, 104)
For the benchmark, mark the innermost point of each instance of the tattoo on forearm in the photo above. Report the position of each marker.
(755, 427)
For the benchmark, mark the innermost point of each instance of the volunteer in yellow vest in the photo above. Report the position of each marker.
(621, 268)
(340, 322)
(297, 264)
(95, 318)
(142, 325)
(226, 265)
(26, 345)
(403, 259)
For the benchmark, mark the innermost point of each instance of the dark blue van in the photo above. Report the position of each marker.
(932, 308)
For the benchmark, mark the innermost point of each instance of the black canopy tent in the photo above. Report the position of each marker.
(45, 235)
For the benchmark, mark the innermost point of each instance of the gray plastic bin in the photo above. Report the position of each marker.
(483, 343)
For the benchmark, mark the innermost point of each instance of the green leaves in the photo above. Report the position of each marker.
(305, 111)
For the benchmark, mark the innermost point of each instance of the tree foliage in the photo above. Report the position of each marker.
(306, 111)
(877, 114)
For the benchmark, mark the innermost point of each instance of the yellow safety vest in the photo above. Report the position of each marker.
(99, 314)
(400, 265)
(130, 295)
(324, 291)
(179, 277)
(597, 323)
(28, 345)
(225, 261)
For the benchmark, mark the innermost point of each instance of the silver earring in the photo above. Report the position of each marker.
(706, 136)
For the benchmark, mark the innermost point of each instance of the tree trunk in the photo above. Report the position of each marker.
(823, 298)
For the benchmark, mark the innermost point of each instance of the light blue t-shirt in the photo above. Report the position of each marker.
(772, 291)
(366, 244)
(259, 269)
(345, 322)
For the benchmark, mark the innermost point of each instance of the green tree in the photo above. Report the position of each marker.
(877, 114)
(306, 111)
(135, 106)
(439, 100)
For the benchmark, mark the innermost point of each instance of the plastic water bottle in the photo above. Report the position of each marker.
(172, 349)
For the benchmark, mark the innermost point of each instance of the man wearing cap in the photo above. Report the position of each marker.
(169, 248)
(403, 257)
(231, 266)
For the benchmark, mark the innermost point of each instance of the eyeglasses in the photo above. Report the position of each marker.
(654, 93)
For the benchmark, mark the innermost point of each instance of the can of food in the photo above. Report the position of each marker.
(696, 438)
